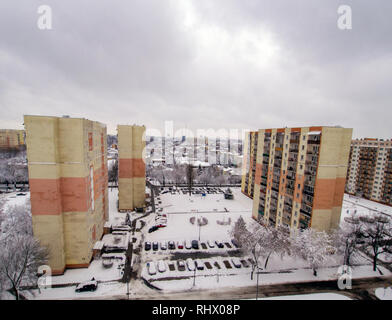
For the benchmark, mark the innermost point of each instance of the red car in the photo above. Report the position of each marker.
(180, 245)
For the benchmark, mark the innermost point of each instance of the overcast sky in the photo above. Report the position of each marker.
(203, 64)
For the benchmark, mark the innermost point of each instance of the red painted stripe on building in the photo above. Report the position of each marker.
(131, 168)
(75, 194)
(45, 197)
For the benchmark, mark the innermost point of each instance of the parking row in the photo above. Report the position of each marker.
(161, 266)
(190, 244)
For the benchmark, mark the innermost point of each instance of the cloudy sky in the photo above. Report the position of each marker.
(231, 64)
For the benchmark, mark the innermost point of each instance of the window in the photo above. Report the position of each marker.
(90, 141)
(303, 147)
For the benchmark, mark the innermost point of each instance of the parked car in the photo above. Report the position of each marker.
(147, 245)
(172, 245)
(153, 228)
(191, 264)
(161, 266)
(161, 224)
(188, 244)
(180, 244)
(211, 244)
(235, 243)
(91, 285)
(199, 264)
(219, 244)
(195, 244)
(236, 262)
(151, 268)
(181, 265)
(163, 245)
(155, 246)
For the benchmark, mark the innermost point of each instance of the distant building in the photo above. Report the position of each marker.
(370, 170)
(11, 139)
(299, 175)
(132, 167)
(249, 163)
(68, 178)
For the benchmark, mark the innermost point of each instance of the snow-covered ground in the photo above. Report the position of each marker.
(384, 293)
(312, 296)
(360, 206)
(179, 209)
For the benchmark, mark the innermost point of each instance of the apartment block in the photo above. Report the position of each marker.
(300, 175)
(68, 180)
(249, 163)
(132, 167)
(370, 170)
(11, 139)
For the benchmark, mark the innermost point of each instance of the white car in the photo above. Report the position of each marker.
(191, 264)
(211, 244)
(163, 245)
(161, 266)
(151, 268)
(188, 244)
(236, 262)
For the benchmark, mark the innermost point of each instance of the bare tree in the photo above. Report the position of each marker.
(113, 172)
(312, 246)
(20, 257)
(20, 254)
(190, 177)
(376, 235)
(347, 238)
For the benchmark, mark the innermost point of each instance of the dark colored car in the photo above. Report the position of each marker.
(87, 286)
(219, 244)
(147, 246)
(155, 246)
(152, 229)
(172, 245)
(195, 244)
(235, 243)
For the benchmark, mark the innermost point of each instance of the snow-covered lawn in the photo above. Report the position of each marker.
(360, 206)
(184, 203)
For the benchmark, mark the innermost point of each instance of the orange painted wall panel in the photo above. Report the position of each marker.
(131, 168)
(75, 194)
(324, 194)
(45, 196)
(339, 192)
(258, 173)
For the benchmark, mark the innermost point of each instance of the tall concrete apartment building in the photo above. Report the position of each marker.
(249, 163)
(370, 170)
(131, 167)
(68, 178)
(300, 175)
(11, 139)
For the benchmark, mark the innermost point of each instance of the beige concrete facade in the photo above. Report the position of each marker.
(300, 176)
(67, 162)
(132, 169)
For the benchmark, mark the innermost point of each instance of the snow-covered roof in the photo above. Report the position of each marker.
(98, 245)
(314, 132)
